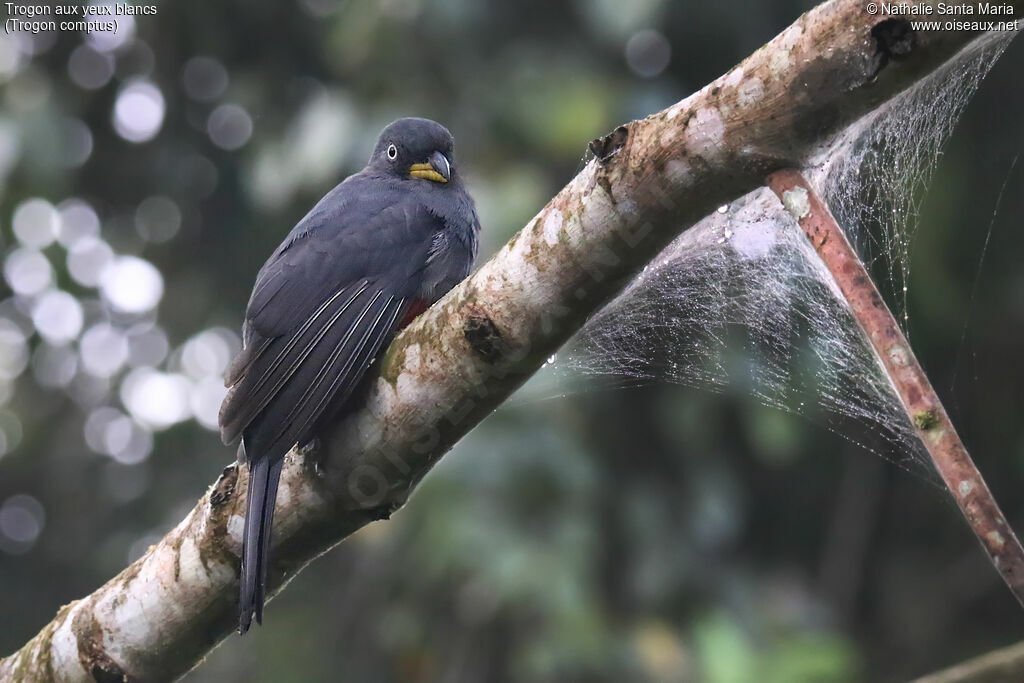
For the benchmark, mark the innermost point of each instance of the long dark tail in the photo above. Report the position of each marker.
(259, 518)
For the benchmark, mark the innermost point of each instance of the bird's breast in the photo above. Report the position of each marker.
(449, 261)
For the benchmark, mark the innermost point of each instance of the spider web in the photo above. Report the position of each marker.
(741, 300)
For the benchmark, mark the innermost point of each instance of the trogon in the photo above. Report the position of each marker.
(375, 252)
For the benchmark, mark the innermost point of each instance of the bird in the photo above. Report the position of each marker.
(371, 255)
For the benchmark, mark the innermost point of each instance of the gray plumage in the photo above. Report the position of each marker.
(374, 252)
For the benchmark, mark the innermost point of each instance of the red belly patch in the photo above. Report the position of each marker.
(416, 306)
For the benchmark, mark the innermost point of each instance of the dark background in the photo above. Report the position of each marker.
(659, 533)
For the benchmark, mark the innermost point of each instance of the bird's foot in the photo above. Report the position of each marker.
(312, 453)
(309, 448)
(383, 512)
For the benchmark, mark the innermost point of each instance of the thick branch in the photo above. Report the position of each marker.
(464, 356)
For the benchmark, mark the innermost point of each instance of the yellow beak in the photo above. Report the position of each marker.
(427, 172)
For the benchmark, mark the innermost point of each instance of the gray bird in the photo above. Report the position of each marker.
(373, 254)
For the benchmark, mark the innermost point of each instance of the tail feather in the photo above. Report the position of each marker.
(259, 517)
(273, 479)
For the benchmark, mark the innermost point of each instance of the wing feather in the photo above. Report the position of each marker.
(327, 374)
(277, 362)
(337, 378)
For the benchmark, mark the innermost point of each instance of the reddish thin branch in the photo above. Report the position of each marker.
(1005, 665)
(929, 418)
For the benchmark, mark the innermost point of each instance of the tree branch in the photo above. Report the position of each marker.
(1000, 666)
(463, 357)
(922, 405)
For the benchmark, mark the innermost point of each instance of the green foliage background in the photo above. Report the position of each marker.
(649, 534)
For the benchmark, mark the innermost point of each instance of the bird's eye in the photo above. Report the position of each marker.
(392, 152)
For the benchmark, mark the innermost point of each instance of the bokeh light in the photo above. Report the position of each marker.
(13, 350)
(11, 55)
(109, 41)
(104, 350)
(205, 399)
(147, 345)
(139, 111)
(88, 258)
(131, 285)
(648, 53)
(204, 358)
(157, 219)
(75, 142)
(208, 353)
(89, 391)
(57, 317)
(22, 518)
(35, 223)
(229, 126)
(204, 78)
(110, 432)
(89, 68)
(27, 271)
(41, 42)
(54, 366)
(77, 220)
(157, 399)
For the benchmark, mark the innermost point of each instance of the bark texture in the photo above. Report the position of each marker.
(463, 357)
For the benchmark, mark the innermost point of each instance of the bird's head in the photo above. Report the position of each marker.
(415, 148)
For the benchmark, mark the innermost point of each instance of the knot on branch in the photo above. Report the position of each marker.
(604, 148)
(895, 39)
(91, 655)
(224, 487)
(483, 336)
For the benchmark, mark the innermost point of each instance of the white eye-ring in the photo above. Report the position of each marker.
(392, 152)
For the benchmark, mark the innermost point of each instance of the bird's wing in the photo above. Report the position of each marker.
(321, 310)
